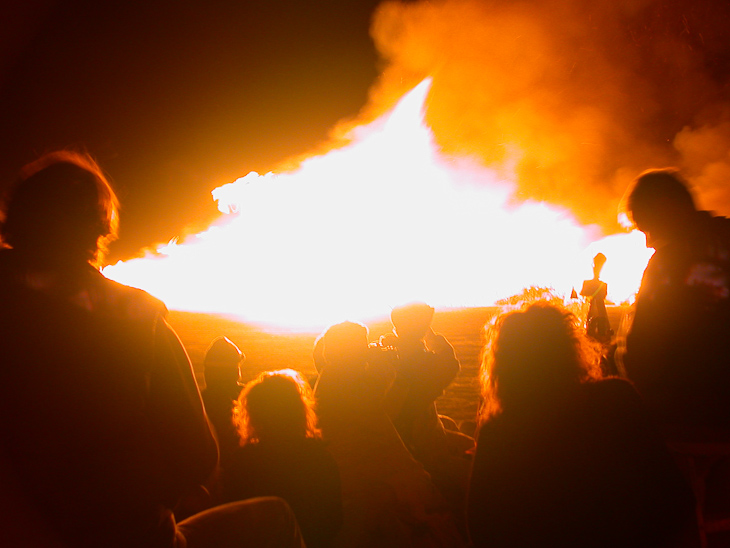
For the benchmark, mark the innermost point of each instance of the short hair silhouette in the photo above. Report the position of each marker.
(655, 190)
(62, 210)
(276, 405)
(222, 362)
(345, 342)
(532, 354)
(412, 319)
(599, 260)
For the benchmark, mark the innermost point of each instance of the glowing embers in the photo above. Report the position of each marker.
(381, 221)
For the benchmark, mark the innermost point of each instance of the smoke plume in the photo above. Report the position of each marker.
(571, 99)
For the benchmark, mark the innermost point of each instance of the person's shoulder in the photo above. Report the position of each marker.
(613, 392)
(719, 226)
(610, 385)
(316, 446)
(718, 221)
(130, 302)
(589, 287)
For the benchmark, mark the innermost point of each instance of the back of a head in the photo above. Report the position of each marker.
(277, 405)
(659, 196)
(535, 353)
(412, 320)
(345, 342)
(62, 210)
(599, 260)
(222, 361)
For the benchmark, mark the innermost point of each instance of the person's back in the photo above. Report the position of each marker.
(300, 471)
(84, 410)
(589, 472)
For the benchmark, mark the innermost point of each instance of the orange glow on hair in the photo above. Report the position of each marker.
(276, 405)
(62, 206)
(533, 355)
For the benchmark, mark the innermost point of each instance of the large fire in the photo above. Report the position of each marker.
(384, 220)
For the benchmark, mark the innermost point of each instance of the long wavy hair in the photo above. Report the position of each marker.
(532, 358)
(277, 405)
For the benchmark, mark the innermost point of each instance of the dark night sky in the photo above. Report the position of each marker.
(176, 98)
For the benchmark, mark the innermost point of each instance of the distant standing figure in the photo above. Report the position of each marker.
(564, 458)
(283, 455)
(598, 326)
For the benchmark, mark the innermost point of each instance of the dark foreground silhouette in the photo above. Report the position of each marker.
(101, 423)
(283, 455)
(564, 458)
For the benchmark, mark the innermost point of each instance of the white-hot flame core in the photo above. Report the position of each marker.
(380, 222)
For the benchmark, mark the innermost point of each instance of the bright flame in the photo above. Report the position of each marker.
(379, 222)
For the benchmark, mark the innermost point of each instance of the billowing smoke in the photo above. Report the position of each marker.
(705, 150)
(569, 98)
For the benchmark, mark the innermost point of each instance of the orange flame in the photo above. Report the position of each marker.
(381, 221)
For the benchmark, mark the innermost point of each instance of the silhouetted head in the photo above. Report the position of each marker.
(277, 405)
(660, 205)
(222, 364)
(534, 356)
(598, 261)
(412, 320)
(345, 342)
(61, 211)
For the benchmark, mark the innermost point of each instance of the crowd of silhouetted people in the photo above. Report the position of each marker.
(108, 441)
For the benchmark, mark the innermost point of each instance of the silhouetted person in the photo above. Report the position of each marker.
(678, 347)
(426, 366)
(222, 370)
(564, 458)
(101, 422)
(283, 455)
(597, 325)
(388, 498)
